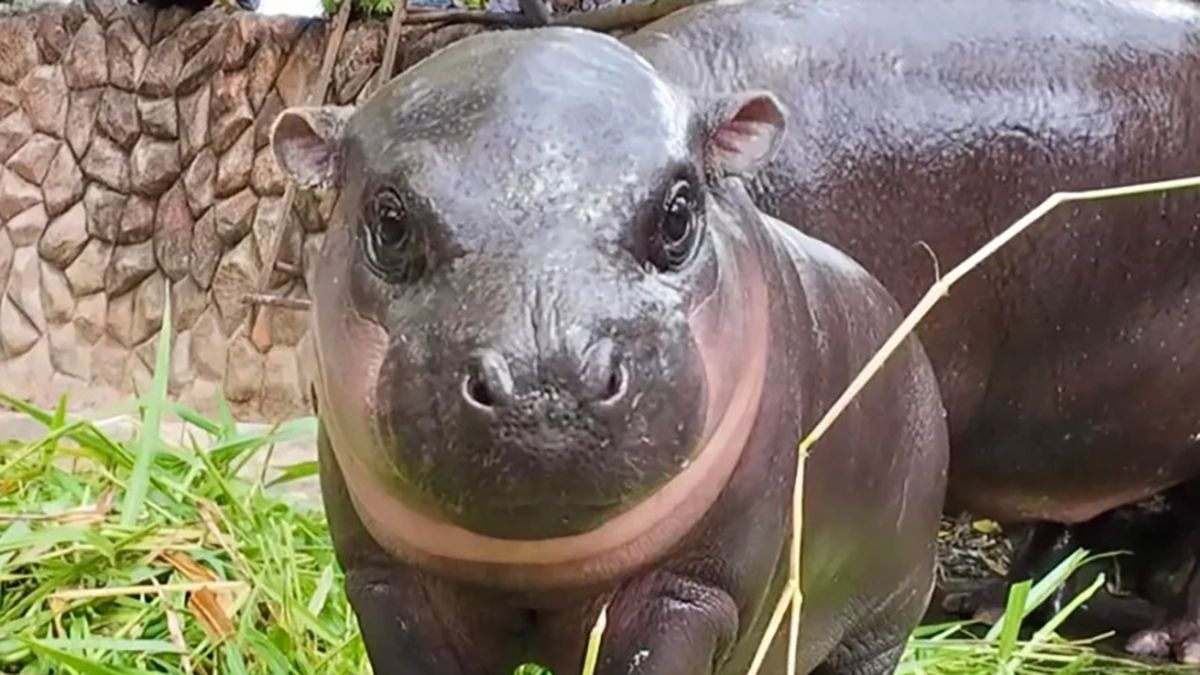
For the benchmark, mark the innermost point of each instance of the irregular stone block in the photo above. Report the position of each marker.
(267, 220)
(243, 371)
(23, 287)
(129, 266)
(137, 224)
(15, 131)
(86, 274)
(86, 62)
(104, 211)
(67, 356)
(173, 233)
(235, 216)
(200, 181)
(233, 170)
(17, 332)
(200, 67)
(281, 388)
(118, 325)
(89, 316)
(159, 117)
(31, 366)
(106, 162)
(237, 275)
(238, 45)
(127, 55)
(52, 36)
(231, 111)
(206, 249)
(181, 363)
(27, 226)
(153, 166)
(161, 75)
(103, 10)
(43, 92)
(149, 303)
(16, 194)
(32, 161)
(141, 18)
(62, 185)
(81, 119)
(167, 20)
(300, 70)
(266, 117)
(65, 237)
(6, 258)
(188, 301)
(358, 59)
(57, 301)
(266, 177)
(10, 99)
(109, 363)
(197, 32)
(18, 49)
(209, 353)
(193, 122)
(288, 326)
(264, 67)
(118, 117)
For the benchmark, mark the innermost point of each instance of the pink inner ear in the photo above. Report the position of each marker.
(307, 155)
(746, 137)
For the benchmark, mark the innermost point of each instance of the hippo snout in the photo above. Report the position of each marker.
(601, 380)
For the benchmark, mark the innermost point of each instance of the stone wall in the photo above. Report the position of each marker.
(135, 164)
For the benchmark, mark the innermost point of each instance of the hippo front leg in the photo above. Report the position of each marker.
(411, 623)
(665, 624)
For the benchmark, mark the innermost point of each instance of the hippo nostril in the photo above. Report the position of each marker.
(616, 384)
(478, 392)
(488, 382)
(604, 375)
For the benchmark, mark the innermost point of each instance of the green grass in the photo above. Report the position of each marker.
(100, 539)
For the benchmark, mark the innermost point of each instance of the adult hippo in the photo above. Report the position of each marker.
(1068, 362)
(563, 363)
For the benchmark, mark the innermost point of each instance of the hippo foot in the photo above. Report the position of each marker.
(1179, 640)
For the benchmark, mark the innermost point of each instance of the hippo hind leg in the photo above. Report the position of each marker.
(1179, 635)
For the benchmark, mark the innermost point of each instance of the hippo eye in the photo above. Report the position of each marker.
(676, 237)
(387, 236)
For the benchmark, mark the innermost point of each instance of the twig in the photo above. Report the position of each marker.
(936, 292)
(315, 97)
(388, 65)
(276, 301)
(116, 591)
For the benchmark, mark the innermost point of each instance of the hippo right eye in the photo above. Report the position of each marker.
(387, 237)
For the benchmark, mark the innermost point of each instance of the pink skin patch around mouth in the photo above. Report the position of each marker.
(734, 378)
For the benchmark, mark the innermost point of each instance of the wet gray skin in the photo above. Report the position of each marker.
(1068, 361)
(564, 363)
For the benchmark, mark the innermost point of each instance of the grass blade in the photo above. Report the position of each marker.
(139, 482)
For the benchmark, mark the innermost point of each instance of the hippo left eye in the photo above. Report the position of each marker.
(677, 230)
(387, 237)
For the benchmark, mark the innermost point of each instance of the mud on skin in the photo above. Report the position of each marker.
(1068, 362)
(564, 361)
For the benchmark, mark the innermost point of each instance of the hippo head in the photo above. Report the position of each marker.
(537, 336)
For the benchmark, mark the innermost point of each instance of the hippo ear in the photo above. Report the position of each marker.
(307, 143)
(744, 131)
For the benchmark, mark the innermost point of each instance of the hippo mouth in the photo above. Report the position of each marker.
(629, 539)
